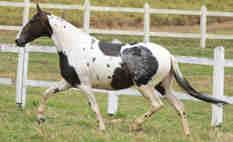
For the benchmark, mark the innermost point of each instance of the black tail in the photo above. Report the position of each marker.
(189, 89)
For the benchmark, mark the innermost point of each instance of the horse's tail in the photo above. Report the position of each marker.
(189, 89)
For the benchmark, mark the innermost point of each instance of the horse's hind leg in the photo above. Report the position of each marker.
(148, 92)
(176, 103)
(60, 86)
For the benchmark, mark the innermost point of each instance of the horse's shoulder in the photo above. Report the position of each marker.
(67, 70)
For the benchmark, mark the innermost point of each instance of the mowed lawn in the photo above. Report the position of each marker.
(69, 118)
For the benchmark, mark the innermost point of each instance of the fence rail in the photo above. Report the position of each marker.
(118, 9)
(51, 49)
(218, 62)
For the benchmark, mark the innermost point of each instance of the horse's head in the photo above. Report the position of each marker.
(36, 27)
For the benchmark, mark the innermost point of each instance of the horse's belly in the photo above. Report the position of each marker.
(102, 71)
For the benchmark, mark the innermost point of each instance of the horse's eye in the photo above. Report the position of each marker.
(34, 19)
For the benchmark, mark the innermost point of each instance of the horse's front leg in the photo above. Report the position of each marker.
(87, 90)
(60, 86)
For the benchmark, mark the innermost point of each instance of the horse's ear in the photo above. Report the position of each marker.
(38, 8)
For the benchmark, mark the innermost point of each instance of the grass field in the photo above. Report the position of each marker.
(69, 118)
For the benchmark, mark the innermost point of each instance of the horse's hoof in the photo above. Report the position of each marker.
(40, 120)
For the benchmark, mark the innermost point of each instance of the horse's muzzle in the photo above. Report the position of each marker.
(20, 43)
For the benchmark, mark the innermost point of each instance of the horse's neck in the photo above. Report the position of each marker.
(66, 35)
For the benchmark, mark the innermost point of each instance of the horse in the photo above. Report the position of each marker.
(86, 62)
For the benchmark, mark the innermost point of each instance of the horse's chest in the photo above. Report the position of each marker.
(67, 71)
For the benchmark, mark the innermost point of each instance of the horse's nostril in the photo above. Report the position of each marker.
(19, 42)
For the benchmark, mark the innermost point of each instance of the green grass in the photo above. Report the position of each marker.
(70, 119)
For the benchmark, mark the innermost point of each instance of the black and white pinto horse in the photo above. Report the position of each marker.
(86, 63)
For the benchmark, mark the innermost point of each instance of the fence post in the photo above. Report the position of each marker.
(218, 85)
(25, 77)
(146, 23)
(19, 78)
(86, 16)
(203, 24)
(112, 103)
(22, 67)
(112, 95)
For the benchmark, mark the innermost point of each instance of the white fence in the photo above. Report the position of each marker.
(219, 62)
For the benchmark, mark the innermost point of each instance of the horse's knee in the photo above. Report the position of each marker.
(49, 91)
(181, 106)
(156, 106)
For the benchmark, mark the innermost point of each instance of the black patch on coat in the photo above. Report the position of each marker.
(110, 49)
(92, 43)
(93, 59)
(160, 88)
(141, 64)
(67, 71)
(121, 78)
